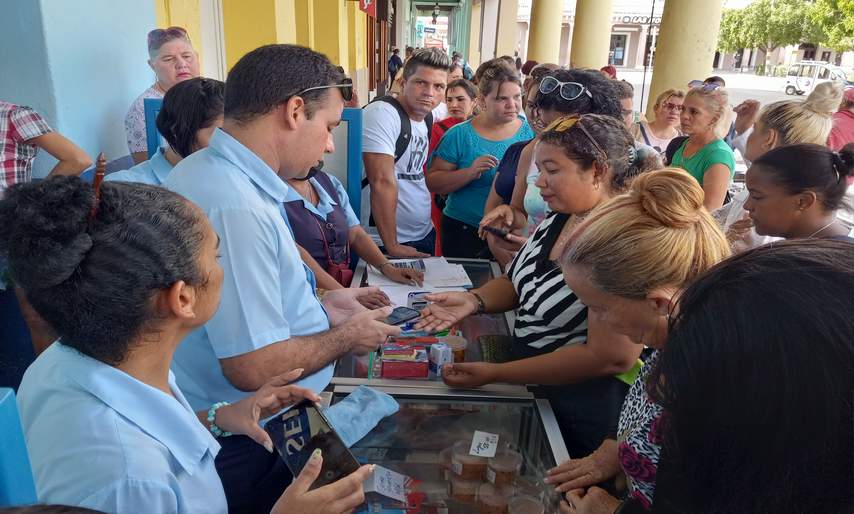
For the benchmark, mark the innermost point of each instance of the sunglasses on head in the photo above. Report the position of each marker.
(157, 37)
(346, 87)
(703, 86)
(568, 123)
(568, 90)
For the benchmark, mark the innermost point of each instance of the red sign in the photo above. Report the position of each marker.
(369, 6)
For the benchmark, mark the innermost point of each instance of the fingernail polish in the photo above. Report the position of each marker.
(316, 454)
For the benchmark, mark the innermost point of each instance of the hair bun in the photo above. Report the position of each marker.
(669, 196)
(844, 160)
(824, 99)
(43, 230)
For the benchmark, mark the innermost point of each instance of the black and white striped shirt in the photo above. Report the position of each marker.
(549, 315)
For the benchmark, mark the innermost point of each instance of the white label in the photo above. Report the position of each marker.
(457, 467)
(387, 483)
(483, 444)
(490, 475)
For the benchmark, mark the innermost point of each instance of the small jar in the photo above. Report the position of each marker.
(465, 466)
(458, 347)
(491, 500)
(525, 505)
(504, 468)
(464, 491)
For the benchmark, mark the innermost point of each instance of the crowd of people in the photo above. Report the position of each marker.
(695, 362)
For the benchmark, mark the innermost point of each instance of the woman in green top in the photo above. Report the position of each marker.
(704, 155)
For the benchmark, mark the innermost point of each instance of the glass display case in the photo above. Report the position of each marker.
(483, 334)
(428, 441)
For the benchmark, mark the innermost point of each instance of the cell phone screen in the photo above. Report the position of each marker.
(297, 432)
(402, 315)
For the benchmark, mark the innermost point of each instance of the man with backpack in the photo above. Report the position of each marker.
(394, 144)
(394, 64)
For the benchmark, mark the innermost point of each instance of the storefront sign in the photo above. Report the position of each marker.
(636, 20)
(429, 30)
(369, 7)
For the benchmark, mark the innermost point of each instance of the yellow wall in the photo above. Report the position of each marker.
(304, 19)
(181, 13)
(474, 36)
(249, 24)
(507, 28)
(331, 34)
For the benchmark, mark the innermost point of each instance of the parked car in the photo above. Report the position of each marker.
(803, 76)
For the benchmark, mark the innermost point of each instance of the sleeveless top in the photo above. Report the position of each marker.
(310, 230)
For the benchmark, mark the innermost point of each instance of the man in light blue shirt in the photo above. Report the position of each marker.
(153, 171)
(281, 104)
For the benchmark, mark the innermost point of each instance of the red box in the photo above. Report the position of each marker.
(405, 369)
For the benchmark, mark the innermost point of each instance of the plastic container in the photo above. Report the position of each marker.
(528, 487)
(504, 468)
(491, 500)
(525, 505)
(464, 491)
(458, 347)
(465, 466)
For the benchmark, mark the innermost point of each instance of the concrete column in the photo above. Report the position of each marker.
(684, 53)
(591, 35)
(505, 42)
(357, 28)
(544, 30)
(330, 31)
(474, 35)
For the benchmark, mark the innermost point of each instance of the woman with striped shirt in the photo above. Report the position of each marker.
(583, 161)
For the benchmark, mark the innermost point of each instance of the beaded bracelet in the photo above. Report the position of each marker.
(215, 430)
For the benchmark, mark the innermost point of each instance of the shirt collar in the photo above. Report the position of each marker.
(325, 201)
(167, 419)
(250, 164)
(160, 166)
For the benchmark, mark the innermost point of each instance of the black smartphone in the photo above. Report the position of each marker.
(500, 232)
(401, 315)
(300, 430)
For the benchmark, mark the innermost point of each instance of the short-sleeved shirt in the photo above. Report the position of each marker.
(322, 230)
(505, 174)
(153, 171)
(550, 315)
(135, 121)
(381, 126)
(99, 438)
(18, 125)
(716, 152)
(267, 292)
(842, 132)
(461, 146)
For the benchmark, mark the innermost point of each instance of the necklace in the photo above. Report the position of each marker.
(821, 229)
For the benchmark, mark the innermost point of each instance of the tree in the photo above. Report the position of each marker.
(833, 23)
(766, 25)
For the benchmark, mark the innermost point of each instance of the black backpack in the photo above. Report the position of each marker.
(402, 142)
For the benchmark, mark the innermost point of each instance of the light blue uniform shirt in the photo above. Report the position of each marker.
(461, 145)
(326, 202)
(267, 291)
(153, 171)
(99, 438)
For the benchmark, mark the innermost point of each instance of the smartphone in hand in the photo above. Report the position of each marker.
(401, 315)
(495, 231)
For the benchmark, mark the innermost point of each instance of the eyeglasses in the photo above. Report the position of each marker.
(568, 122)
(703, 86)
(346, 87)
(672, 107)
(157, 37)
(569, 91)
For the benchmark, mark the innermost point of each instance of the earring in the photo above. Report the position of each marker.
(596, 185)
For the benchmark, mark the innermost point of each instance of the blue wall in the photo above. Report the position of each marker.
(81, 64)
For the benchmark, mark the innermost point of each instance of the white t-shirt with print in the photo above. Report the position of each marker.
(381, 127)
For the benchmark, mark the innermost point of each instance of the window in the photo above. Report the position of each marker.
(823, 73)
(794, 70)
(617, 53)
(807, 71)
(825, 56)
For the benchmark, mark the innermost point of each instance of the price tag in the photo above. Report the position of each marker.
(387, 483)
(483, 444)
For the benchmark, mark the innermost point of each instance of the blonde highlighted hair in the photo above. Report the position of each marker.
(717, 102)
(807, 121)
(663, 97)
(656, 235)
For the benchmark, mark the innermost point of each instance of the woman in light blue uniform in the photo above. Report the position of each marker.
(122, 276)
(191, 110)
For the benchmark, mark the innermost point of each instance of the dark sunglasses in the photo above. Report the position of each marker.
(346, 87)
(568, 90)
(704, 87)
(157, 37)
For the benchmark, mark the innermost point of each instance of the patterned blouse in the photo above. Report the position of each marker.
(135, 121)
(638, 437)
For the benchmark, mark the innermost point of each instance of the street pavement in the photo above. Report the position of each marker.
(741, 86)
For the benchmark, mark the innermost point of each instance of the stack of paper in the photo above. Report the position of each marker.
(438, 273)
